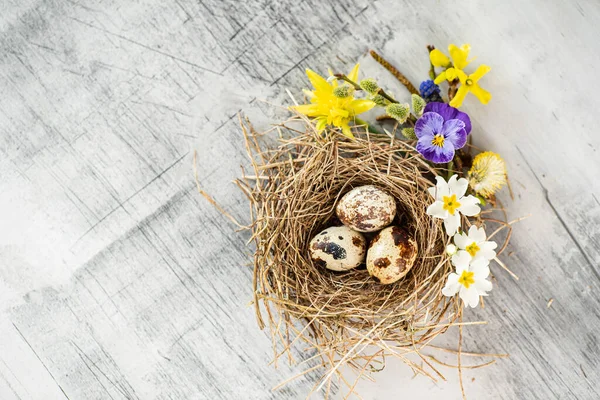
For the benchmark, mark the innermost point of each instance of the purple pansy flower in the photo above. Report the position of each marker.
(441, 130)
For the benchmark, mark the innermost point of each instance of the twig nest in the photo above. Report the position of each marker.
(366, 209)
(338, 248)
(391, 255)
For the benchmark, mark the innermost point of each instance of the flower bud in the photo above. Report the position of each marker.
(369, 85)
(451, 249)
(418, 104)
(399, 112)
(409, 133)
(379, 100)
(342, 91)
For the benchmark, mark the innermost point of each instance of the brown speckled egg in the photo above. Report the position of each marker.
(338, 248)
(366, 209)
(391, 255)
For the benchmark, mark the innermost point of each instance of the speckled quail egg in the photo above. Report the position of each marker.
(391, 255)
(366, 209)
(338, 248)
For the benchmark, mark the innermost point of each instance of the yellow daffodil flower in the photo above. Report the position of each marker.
(469, 84)
(329, 109)
(459, 57)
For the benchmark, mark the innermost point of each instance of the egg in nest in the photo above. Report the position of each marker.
(391, 254)
(338, 248)
(366, 209)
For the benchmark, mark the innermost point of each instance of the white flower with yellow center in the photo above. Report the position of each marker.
(470, 280)
(450, 202)
(475, 244)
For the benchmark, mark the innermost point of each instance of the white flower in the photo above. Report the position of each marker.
(475, 244)
(469, 281)
(450, 202)
(451, 249)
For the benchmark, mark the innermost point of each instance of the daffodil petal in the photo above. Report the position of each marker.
(321, 124)
(462, 77)
(459, 55)
(452, 74)
(459, 97)
(483, 95)
(438, 58)
(480, 72)
(346, 130)
(440, 78)
(353, 75)
(307, 109)
(318, 82)
(359, 106)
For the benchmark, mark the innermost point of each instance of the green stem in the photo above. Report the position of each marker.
(432, 74)
(450, 169)
(357, 87)
(386, 96)
(346, 79)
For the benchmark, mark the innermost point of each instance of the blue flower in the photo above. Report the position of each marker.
(441, 131)
(430, 91)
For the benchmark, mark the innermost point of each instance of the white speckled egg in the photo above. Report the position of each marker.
(391, 255)
(366, 209)
(338, 248)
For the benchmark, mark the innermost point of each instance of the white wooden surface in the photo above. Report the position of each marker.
(117, 281)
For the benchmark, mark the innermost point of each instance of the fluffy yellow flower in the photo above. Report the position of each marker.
(488, 174)
(469, 84)
(328, 109)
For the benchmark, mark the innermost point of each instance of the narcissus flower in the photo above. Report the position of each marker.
(450, 202)
(487, 174)
(469, 84)
(475, 244)
(329, 109)
(470, 280)
(441, 131)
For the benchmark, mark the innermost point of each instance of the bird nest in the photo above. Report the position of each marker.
(345, 318)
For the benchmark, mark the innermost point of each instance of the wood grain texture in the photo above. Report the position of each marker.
(118, 281)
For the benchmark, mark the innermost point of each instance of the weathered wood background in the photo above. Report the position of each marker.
(118, 281)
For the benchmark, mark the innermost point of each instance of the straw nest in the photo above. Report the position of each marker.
(344, 318)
